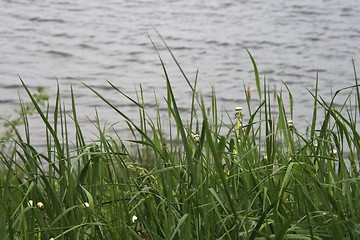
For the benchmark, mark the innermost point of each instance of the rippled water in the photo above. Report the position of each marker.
(94, 41)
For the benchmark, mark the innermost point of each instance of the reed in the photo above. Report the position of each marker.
(253, 177)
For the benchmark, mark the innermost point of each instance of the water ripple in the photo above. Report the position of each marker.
(91, 41)
(59, 54)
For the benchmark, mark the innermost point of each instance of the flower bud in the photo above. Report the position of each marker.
(196, 138)
(40, 205)
(291, 125)
(238, 112)
(333, 152)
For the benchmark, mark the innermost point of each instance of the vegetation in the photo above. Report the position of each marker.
(255, 178)
(11, 123)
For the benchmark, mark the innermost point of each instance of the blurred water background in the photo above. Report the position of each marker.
(87, 41)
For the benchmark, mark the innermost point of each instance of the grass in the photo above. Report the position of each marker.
(203, 178)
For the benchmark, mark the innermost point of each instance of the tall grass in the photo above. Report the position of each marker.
(206, 178)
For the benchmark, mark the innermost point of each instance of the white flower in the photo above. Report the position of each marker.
(291, 125)
(333, 152)
(196, 138)
(86, 204)
(238, 112)
(40, 205)
(52, 238)
(134, 218)
(30, 203)
(238, 109)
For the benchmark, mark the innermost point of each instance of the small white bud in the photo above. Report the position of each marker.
(238, 109)
(134, 218)
(40, 205)
(30, 203)
(290, 124)
(333, 152)
(86, 204)
(196, 138)
(238, 112)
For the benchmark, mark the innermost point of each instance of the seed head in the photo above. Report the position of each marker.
(249, 92)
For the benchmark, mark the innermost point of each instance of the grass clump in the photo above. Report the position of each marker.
(206, 178)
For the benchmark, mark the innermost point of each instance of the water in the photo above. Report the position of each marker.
(90, 42)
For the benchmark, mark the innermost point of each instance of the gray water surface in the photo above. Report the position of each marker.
(91, 41)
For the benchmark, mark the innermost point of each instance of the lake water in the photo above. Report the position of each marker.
(87, 41)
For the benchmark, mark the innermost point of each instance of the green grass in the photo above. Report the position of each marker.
(255, 177)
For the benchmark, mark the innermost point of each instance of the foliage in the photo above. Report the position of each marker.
(11, 124)
(255, 178)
